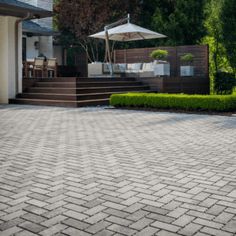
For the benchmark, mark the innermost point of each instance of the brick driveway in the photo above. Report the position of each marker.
(96, 171)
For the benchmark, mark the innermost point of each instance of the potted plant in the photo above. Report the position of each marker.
(187, 69)
(161, 66)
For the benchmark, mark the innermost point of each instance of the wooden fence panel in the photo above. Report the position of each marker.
(200, 52)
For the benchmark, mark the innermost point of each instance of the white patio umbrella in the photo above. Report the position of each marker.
(124, 33)
(128, 32)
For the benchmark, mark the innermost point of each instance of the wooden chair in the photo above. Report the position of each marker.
(51, 67)
(38, 66)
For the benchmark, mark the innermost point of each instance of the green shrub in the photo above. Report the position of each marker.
(175, 101)
(159, 54)
(224, 83)
(187, 58)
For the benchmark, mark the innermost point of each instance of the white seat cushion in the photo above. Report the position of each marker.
(134, 67)
(148, 67)
(122, 67)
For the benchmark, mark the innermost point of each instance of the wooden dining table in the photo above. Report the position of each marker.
(28, 67)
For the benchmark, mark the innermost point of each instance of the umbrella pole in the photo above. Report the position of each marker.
(108, 52)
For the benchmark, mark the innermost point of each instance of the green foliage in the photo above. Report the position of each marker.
(188, 57)
(228, 18)
(175, 101)
(182, 21)
(77, 19)
(218, 57)
(224, 83)
(159, 54)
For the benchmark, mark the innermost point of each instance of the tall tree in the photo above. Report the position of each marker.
(80, 18)
(181, 20)
(218, 56)
(228, 18)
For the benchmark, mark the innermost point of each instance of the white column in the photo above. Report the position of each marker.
(20, 65)
(4, 59)
(11, 58)
(7, 58)
(46, 46)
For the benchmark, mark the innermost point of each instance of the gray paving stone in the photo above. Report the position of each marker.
(76, 223)
(75, 232)
(224, 217)
(230, 226)
(100, 226)
(148, 231)
(190, 229)
(177, 212)
(95, 218)
(166, 233)
(53, 230)
(32, 227)
(96, 171)
(159, 217)
(119, 221)
(104, 233)
(121, 229)
(183, 220)
(140, 224)
(10, 231)
(208, 223)
(215, 232)
(165, 226)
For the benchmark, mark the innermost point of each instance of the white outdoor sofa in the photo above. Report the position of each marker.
(129, 70)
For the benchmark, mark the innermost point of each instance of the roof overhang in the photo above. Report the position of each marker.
(19, 9)
(31, 28)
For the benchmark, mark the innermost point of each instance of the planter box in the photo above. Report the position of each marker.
(162, 69)
(186, 70)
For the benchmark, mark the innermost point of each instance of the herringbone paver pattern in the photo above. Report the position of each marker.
(96, 171)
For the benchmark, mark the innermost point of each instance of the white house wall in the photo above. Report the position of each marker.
(46, 46)
(4, 67)
(45, 42)
(7, 58)
(31, 52)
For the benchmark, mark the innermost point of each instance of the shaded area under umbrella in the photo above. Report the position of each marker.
(124, 33)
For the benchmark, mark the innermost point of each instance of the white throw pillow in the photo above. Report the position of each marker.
(148, 66)
(122, 67)
(136, 66)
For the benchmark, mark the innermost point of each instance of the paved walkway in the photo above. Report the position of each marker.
(95, 171)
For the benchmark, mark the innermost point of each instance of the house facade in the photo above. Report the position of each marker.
(41, 41)
(12, 13)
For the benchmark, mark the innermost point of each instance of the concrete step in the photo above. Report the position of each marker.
(76, 92)
(83, 79)
(87, 84)
(70, 97)
(61, 103)
(86, 89)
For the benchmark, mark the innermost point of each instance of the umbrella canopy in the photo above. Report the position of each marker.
(128, 32)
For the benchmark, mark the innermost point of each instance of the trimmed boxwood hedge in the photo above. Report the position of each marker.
(175, 101)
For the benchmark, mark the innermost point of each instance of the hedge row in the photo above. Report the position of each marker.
(175, 101)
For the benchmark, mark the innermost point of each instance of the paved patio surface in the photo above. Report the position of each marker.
(96, 171)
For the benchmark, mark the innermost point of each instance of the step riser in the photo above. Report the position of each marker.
(83, 84)
(43, 103)
(105, 79)
(74, 79)
(60, 104)
(59, 79)
(77, 92)
(83, 91)
(52, 90)
(67, 97)
(46, 96)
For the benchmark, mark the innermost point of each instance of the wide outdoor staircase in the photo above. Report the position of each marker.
(77, 92)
